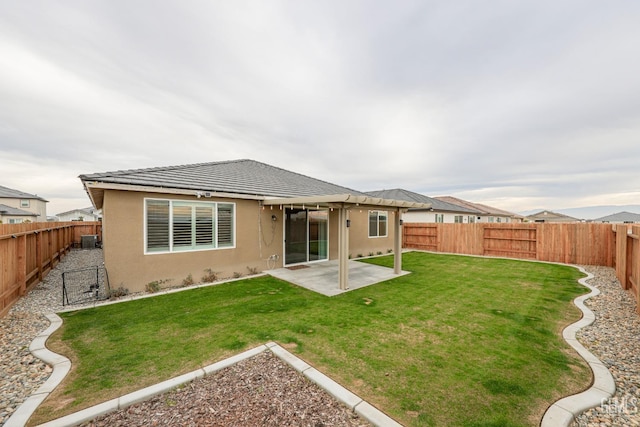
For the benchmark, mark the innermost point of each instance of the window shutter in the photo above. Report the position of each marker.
(182, 223)
(373, 223)
(225, 225)
(204, 226)
(382, 224)
(157, 225)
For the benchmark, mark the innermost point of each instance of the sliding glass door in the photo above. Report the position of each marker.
(306, 236)
(318, 232)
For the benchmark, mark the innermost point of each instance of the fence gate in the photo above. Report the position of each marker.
(85, 284)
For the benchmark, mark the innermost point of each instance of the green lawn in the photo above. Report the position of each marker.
(461, 341)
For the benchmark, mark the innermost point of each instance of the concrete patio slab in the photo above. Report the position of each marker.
(322, 277)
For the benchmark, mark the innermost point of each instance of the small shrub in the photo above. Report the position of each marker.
(389, 251)
(350, 256)
(237, 275)
(359, 256)
(188, 281)
(209, 276)
(252, 270)
(153, 287)
(371, 253)
(118, 292)
(379, 253)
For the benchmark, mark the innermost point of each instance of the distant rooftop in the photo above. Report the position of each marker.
(628, 217)
(410, 196)
(9, 193)
(550, 216)
(484, 209)
(10, 211)
(89, 211)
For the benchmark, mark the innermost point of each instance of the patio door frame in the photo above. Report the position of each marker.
(287, 245)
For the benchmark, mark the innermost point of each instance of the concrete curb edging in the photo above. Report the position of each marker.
(61, 367)
(564, 411)
(351, 400)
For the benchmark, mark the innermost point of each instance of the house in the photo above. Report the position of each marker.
(21, 207)
(171, 223)
(549, 216)
(440, 211)
(486, 213)
(85, 214)
(10, 215)
(620, 218)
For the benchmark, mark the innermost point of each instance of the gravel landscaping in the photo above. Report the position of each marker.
(265, 391)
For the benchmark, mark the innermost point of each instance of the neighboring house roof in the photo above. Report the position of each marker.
(620, 217)
(550, 216)
(410, 196)
(9, 193)
(235, 178)
(87, 211)
(479, 207)
(10, 211)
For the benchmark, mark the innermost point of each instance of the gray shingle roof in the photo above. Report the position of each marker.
(11, 211)
(234, 176)
(9, 193)
(620, 217)
(410, 196)
(484, 209)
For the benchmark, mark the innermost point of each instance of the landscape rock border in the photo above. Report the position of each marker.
(564, 411)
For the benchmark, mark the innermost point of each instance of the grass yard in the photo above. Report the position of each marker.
(461, 341)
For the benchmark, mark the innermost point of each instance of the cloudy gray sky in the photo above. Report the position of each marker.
(517, 104)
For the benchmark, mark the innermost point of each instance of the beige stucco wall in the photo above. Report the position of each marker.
(359, 241)
(36, 206)
(129, 267)
(257, 239)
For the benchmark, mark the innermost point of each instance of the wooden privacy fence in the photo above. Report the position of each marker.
(628, 259)
(573, 243)
(29, 251)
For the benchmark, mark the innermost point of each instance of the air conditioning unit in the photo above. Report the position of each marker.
(89, 241)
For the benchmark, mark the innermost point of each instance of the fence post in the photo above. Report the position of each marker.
(39, 254)
(22, 263)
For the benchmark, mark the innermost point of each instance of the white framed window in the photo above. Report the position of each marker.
(378, 223)
(439, 218)
(16, 220)
(177, 225)
(492, 219)
(457, 219)
(471, 219)
(25, 203)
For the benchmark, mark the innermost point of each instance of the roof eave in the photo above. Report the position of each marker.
(344, 200)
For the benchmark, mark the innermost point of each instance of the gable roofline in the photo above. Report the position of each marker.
(10, 193)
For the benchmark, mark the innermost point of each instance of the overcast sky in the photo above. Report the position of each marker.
(516, 104)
